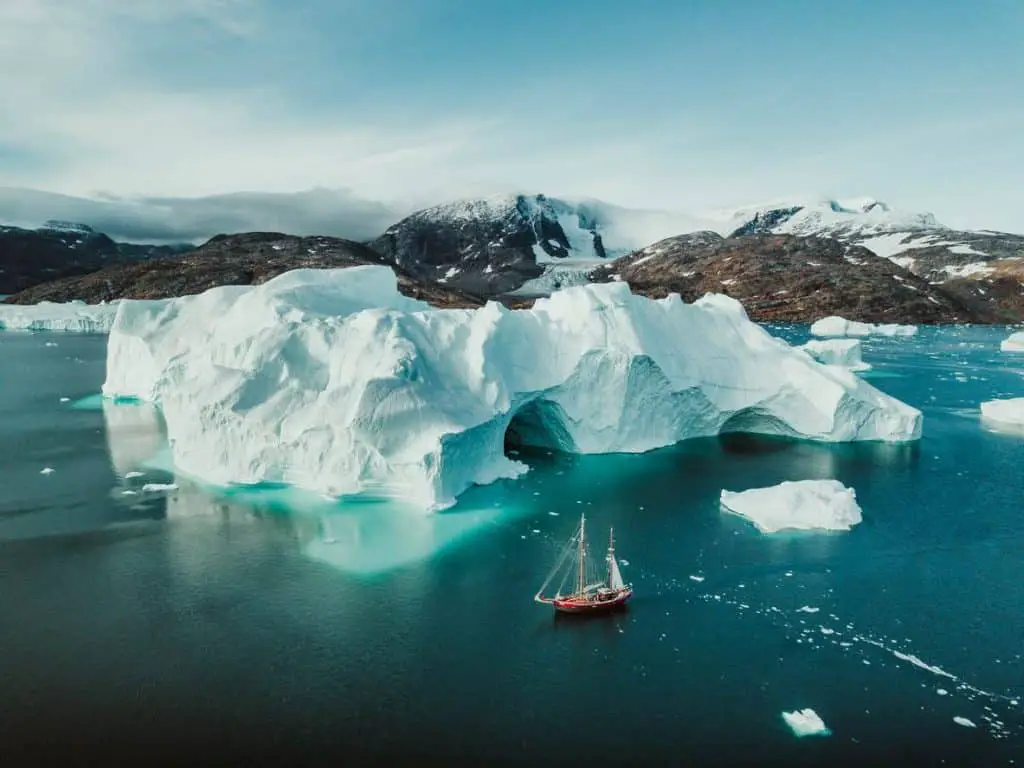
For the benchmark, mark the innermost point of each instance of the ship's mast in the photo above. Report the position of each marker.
(611, 553)
(583, 553)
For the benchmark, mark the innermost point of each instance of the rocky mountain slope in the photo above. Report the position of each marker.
(244, 259)
(791, 278)
(982, 266)
(494, 245)
(59, 249)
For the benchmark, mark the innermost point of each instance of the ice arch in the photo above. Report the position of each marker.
(333, 381)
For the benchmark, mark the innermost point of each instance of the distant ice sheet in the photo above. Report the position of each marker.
(76, 316)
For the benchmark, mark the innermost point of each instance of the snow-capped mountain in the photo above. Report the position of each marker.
(530, 245)
(985, 266)
(494, 245)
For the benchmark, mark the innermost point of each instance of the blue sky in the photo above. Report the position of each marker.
(687, 105)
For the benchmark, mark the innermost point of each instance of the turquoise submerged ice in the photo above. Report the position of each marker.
(333, 381)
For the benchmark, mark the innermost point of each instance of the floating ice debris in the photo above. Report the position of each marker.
(65, 399)
(128, 492)
(842, 352)
(807, 609)
(840, 326)
(805, 722)
(130, 475)
(801, 504)
(553, 514)
(964, 722)
(1013, 343)
(942, 692)
(158, 487)
(918, 663)
(46, 471)
(592, 369)
(698, 579)
(50, 344)
(535, 530)
(1009, 411)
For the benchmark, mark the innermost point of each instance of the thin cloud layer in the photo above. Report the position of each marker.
(175, 219)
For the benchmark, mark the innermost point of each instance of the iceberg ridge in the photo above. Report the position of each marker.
(333, 381)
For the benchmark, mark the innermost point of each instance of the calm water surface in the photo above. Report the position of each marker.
(184, 624)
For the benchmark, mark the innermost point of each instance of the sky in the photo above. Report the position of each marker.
(175, 118)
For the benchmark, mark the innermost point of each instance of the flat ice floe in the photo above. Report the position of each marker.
(840, 326)
(1009, 412)
(797, 505)
(806, 722)
(76, 316)
(1013, 343)
(333, 381)
(844, 352)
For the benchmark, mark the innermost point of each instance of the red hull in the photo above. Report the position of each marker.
(576, 605)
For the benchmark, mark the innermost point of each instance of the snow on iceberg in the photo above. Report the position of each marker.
(806, 722)
(333, 381)
(1009, 412)
(802, 504)
(75, 316)
(844, 352)
(840, 326)
(1013, 343)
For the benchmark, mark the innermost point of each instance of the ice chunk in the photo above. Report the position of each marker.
(333, 381)
(806, 722)
(834, 325)
(74, 316)
(964, 722)
(844, 352)
(46, 471)
(1013, 343)
(159, 487)
(801, 504)
(1009, 412)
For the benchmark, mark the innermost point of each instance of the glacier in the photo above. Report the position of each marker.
(333, 381)
(834, 325)
(73, 316)
(1013, 343)
(796, 505)
(844, 352)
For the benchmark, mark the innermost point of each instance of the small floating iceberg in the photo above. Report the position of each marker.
(806, 722)
(843, 352)
(74, 316)
(1013, 343)
(802, 505)
(1008, 412)
(834, 325)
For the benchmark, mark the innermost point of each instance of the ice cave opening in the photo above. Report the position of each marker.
(539, 423)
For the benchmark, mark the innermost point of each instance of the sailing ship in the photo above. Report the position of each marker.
(590, 592)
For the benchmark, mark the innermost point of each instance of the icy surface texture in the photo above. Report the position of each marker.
(840, 326)
(802, 505)
(844, 352)
(333, 381)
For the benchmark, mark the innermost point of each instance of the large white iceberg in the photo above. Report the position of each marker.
(834, 325)
(1013, 343)
(333, 381)
(844, 352)
(1009, 412)
(76, 316)
(800, 505)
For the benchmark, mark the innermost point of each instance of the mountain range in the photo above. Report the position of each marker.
(790, 259)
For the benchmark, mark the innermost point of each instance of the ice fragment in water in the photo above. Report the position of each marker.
(805, 722)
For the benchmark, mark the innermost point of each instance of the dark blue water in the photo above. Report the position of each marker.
(180, 624)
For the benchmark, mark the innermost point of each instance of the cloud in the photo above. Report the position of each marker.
(176, 219)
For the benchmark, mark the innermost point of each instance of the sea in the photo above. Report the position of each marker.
(146, 619)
